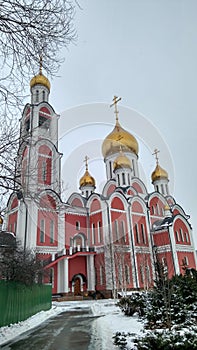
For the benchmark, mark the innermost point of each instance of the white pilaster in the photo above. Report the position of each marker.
(90, 272)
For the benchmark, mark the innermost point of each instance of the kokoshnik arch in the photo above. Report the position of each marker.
(105, 241)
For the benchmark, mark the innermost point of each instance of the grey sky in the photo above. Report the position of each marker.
(146, 52)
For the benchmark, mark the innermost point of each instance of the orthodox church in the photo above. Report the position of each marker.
(105, 242)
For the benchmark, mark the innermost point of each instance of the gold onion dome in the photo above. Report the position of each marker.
(159, 173)
(1, 220)
(119, 137)
(40, 78)
(122, 161)
(87, 179)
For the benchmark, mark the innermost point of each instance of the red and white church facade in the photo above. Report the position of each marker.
(106, 241)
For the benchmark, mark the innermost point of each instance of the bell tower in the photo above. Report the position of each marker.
(39, 159)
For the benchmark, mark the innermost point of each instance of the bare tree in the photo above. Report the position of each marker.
(17, 264)
(28, 29)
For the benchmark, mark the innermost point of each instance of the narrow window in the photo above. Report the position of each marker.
(123, 178)
(51, 231)
(128, 179)
(116, 230)
(123, 235)
(118, 180)
(99, 232)
(93, 233)
(158, 211)
(177, 236)
(86, 193)
(187, 237)
(101, 274)
(166, 189)
(153, 210)
(137, 234)
(127, 274)
(157, 188)
(185, 261)
(147, 273)
(37, 96)
(42, 231)
(44, 170)
(181, 234)
(110, 169)
(77, 225)
(162, 189)
(27, 125)
(143, 234)
(43, 95)
(133, 165)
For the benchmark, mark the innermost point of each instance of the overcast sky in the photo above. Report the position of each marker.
(146, 52)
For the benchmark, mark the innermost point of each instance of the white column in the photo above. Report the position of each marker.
(90, 272)
(174, 252)
(65, 276)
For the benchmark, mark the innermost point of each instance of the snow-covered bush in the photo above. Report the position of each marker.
(133, 304)
(165, 340)
(169, 311)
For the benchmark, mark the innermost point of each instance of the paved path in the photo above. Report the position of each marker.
(68, 331)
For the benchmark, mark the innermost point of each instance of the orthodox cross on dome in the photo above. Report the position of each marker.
(116, 99)
(40, 61)
(86, 162)
(156, 151)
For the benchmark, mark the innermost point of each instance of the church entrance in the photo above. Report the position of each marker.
(77, 286)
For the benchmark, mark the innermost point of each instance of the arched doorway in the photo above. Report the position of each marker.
(77, 286)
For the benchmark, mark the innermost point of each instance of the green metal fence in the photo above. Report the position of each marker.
(18, 302)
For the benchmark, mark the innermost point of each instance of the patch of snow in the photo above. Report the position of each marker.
(108, 320)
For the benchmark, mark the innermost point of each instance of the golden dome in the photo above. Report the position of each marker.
(1, 220)
(119, 137)
(87, 180)
(122, 161)
(159, 173)
(40, 79)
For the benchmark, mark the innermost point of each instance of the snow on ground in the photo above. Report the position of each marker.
(108, 320)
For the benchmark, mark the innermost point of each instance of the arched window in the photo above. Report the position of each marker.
(51, 231)
(99, 232)
(93, 233)
(118, 180)
(116, 230)
(77, 225)
(143, 234)
(123, 235)
(42, 231)
(37, 95)
(137, 234)
(123, 178)
(43, 95)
